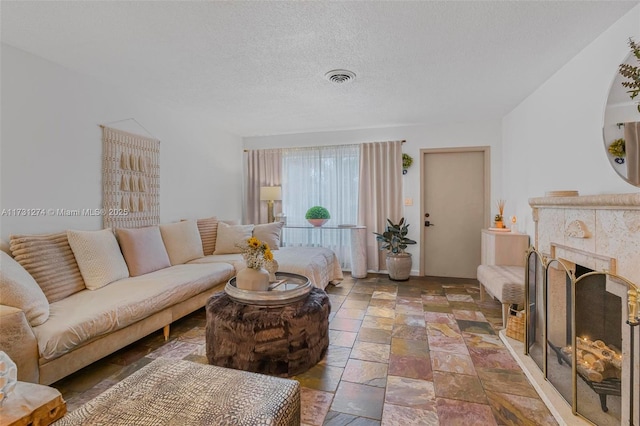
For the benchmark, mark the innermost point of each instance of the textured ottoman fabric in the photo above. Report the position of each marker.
(170, 392)
(281, 341)
(505, 283)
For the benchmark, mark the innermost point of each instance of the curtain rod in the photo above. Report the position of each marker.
(402, 141)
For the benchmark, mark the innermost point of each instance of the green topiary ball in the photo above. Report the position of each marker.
(317, 212)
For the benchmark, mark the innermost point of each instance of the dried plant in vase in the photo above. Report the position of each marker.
(499, 218)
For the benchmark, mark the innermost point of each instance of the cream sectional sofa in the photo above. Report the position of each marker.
(69, 299)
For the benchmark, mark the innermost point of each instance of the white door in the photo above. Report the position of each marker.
(455, 190)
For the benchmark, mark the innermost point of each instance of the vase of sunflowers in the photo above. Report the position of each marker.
(254, 277)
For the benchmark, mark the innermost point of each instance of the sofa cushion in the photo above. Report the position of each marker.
(143, 249)
(231, 235)
(20, 290)
(99, 257)
(87, 315)
(182, 241)
(319, 264)
(269, 233)
(208, 229)
(235, 259)
(50, 261)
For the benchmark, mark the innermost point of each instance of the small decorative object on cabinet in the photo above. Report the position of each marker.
(395, 241)
(317, 215)
(499, 218)
(254, 276)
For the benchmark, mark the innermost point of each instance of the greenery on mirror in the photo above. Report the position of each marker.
(616, 148)
(632, 72)
(395, 237)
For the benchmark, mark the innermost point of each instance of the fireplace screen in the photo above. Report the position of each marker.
(575, 331)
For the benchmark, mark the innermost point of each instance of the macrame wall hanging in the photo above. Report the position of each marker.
(130, 179)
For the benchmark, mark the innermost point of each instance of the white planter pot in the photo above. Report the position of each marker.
(399, 266)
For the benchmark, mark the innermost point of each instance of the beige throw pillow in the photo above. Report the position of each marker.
(269, 233)
(229, 236)
(182, 241)
(98, 256)
(208, 229)
(143, 250)
(50, 261)
(20, 290)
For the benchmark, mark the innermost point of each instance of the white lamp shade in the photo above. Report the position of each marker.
(270, 193)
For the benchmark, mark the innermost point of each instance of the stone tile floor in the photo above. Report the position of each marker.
(420, 352)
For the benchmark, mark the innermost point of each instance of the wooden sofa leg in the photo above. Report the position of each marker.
(165, 331)
(482, 292)
(505, 314)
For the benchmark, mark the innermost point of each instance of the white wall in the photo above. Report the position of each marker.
(417, 138)
(51, 148)
(553, 140)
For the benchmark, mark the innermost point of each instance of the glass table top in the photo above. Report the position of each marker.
(287, 288)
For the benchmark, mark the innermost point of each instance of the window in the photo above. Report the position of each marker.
(321, 176)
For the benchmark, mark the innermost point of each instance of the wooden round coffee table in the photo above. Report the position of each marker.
(282, 340)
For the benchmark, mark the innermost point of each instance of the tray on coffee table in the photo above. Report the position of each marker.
(288, 288)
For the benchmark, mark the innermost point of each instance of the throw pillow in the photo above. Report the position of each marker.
(269, 233)
(182, 241)
(50, 261)
(229, 236)
(143, 250)
(21, 291)
(99, 257)
(208, 229)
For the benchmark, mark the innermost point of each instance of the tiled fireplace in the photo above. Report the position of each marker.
(574, 236)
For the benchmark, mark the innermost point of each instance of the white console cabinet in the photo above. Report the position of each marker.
(503, 248)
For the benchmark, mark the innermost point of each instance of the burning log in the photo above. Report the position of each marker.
(596, 361)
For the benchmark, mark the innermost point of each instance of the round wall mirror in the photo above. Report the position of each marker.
(621, 129)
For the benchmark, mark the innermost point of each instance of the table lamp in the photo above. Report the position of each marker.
(270, 194)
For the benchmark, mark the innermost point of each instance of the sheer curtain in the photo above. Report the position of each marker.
(263, 168)
(380, 194)
(632, 148)
(321, 176)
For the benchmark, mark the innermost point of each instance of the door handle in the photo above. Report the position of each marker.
(428, 223)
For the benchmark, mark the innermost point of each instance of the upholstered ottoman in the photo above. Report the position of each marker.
(505, 283)
(276, 340)
(170, 392)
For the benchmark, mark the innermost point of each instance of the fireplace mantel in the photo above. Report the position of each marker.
(601, 201)
(605, 224)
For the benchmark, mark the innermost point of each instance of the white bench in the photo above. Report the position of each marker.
(505, 283)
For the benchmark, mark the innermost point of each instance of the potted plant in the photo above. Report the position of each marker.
(395, 241)
(317, 215)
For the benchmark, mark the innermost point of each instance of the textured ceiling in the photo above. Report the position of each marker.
(256, 68)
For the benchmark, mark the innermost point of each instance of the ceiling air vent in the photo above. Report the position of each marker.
(340, 76)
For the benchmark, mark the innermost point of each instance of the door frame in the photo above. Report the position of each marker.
(486, 150)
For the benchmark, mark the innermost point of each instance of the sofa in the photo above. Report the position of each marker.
(71, 298)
